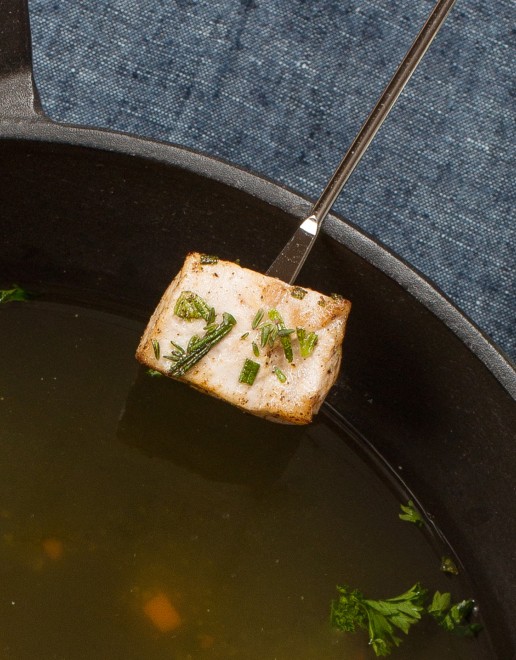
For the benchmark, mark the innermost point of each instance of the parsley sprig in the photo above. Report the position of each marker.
(453, 618)
(383, 619)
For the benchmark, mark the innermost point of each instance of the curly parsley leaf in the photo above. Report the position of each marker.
(411, 514)
(381, 618)
(347, 612)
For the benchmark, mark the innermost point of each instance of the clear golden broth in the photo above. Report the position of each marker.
(118, 488)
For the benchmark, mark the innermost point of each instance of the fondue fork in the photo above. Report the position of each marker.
(290, 260)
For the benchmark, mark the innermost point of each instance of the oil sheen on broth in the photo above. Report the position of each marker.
(141, 519)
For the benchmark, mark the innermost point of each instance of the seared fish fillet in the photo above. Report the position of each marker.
(264, 321)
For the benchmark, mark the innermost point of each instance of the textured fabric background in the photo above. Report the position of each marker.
(281, 87)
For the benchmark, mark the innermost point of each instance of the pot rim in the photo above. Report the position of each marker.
(39, 128)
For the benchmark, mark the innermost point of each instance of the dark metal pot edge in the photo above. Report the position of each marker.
(39, 128)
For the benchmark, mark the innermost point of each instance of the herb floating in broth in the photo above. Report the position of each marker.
(411, 514)
(11, 295)
(381, 618)
(282, 362)
(449, 566)
(454, 618)
(384, 619)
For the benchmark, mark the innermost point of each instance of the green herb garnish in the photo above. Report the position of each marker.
(201, 347)
(265, 334)
(454, 618)
(336, 296)
(384, 618)
(156, 348)
(249, 372)
(381, 618)
(211, 316)
(256, 350)
(191, 306)
(16, 293)
(245, 335)
(279, 375)
(192, 343)
(411, 514)
(177, 347)
(275, 316)
(257, 319)
(449, 566)
(298, 292)
(153, 373)
(307, 342)
(209, 259)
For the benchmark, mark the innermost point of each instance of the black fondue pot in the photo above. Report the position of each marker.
(113, 215)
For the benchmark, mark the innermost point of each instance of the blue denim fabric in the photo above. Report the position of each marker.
(281, 87)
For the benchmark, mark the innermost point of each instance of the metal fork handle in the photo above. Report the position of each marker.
(288, 263)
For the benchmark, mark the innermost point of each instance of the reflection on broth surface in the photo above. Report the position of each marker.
(141, 519)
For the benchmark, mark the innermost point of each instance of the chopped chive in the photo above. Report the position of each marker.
(273, 334)
(275, 316)
(208, 259)
(203, 346)
(249, 372)
(211, 316)
(266, 331)
(257, 318)
(256, 350)
(190, 306)
(279, 375)
(285, 332)
(155, 348)
(307, 342)
(298, 292)
(245, 335)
